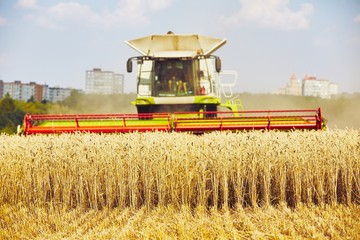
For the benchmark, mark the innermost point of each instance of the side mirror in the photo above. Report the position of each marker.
(217, 64)
(129, 66)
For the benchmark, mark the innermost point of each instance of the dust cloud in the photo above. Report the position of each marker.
(340, 113)
(96, 103)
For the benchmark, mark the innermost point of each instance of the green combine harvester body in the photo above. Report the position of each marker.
(179, 88)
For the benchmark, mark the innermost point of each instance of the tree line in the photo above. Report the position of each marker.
(12, 111)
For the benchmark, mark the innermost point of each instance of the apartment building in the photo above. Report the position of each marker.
(57, 94)
(103, 82)
(1, 89)
(309, 86)
(294, 86)
(318, 87)
(23, 91)
(33, 91)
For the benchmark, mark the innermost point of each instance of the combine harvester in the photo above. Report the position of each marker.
(179, 87)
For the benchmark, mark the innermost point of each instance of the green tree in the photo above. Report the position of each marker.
(7, 104)
(10, 115)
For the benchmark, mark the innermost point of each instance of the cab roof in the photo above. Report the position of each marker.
(176, 45)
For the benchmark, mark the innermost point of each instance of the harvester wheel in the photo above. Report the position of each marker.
(210, 108)
(144, 112)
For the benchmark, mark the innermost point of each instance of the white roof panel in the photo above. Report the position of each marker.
(176, 45)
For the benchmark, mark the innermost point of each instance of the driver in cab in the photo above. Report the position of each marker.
(175, 78)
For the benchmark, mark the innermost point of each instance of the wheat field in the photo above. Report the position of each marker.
(221, 184)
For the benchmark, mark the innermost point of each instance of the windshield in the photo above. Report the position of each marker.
(175, 77)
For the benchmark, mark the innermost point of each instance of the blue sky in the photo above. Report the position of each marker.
(55, 42)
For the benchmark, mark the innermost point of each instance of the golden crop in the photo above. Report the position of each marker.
(216, 170)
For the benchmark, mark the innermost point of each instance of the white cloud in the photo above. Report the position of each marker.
(3, 21)
(273, 14)
(127, 12)
(156, 5)
(70, 11)
(27, 3)
(357, 18)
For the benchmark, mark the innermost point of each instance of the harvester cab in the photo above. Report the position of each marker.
(178, 73)
(179, 88)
